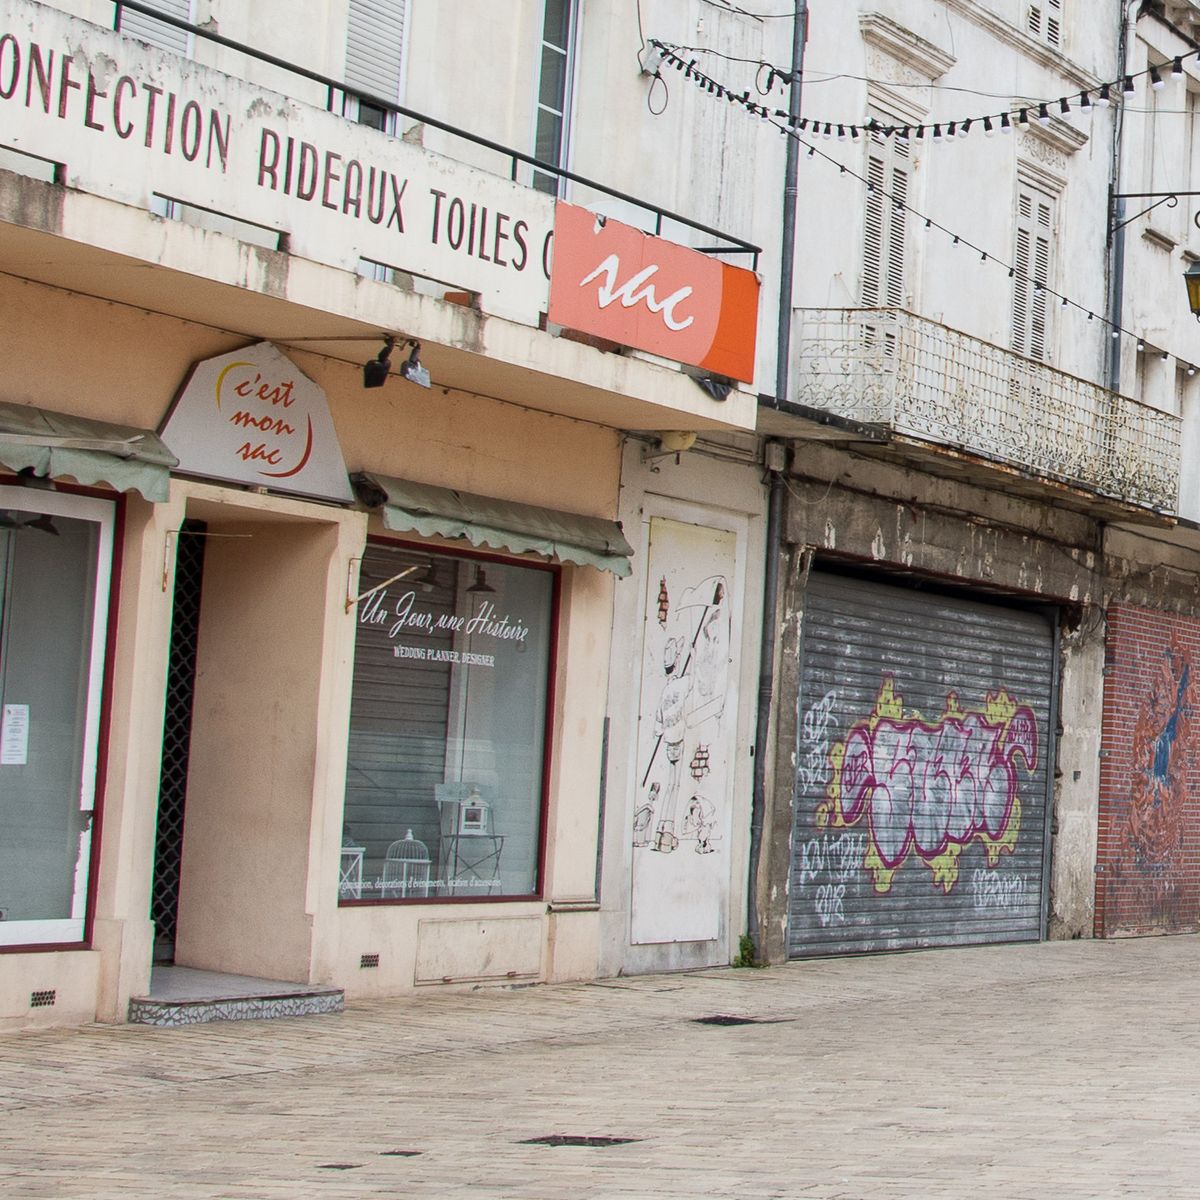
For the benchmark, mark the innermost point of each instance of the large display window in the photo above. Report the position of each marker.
(55, 569)
(446, 771)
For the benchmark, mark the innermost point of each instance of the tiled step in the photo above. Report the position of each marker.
(185, 996)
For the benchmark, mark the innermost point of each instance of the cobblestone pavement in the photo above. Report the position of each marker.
(1056, 1071)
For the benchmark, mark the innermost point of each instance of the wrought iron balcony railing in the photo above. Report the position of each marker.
(931, 384)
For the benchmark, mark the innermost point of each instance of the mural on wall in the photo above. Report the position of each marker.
(930, 788)
(1154, 773)
(681, 819)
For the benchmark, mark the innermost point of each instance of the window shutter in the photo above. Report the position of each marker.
(885, 224)
(375, 46)
(158, 33)
(1054, 23)
(872, 269)
(1033, 262)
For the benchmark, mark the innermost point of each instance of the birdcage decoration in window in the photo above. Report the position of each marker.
(406, 869)
(699, 764)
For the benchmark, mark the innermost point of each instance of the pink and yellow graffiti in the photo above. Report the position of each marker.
(932, 788)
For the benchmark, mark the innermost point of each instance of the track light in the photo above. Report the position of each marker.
(375, 370)
(412, 370)
(1156, 80)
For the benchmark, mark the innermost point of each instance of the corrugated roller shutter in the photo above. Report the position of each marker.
(158, 33)
(922, 770)
(375, 46)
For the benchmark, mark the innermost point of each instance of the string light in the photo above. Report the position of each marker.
(900, 205)
(1127, 83)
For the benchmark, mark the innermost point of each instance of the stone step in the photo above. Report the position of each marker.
(187, 996)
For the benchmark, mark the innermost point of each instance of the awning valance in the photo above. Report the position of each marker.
(501, 524)
(61, 446)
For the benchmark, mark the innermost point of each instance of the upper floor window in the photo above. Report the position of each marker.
(375, 58)
(554, 89)
(1033, 261)
(156, 32)
(1044, 21)
(885, 227)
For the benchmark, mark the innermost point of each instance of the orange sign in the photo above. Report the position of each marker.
(618, 283)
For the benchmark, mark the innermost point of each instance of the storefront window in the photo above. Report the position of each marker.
(444, 780)
(55, 557)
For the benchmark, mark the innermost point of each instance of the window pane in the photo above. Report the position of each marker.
(557, 28)
(553, 82)
(447, 727)
(49, 688)
(549, 136)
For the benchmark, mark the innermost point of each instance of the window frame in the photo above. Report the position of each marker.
(570, 59)
(65, 500)
(555, 570)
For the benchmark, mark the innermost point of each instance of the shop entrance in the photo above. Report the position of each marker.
(177, 737)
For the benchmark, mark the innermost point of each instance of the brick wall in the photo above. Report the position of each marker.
(1148, 855)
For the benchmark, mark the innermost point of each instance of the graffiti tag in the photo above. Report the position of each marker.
(931, 788)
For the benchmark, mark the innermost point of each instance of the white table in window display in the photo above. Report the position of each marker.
(469, 854)
(350, 872)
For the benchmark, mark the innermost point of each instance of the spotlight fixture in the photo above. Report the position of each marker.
(411, 368)
(481, 586)
(375, 370)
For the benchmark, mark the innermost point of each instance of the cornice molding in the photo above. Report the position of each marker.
(1010, 35)
(905, 46)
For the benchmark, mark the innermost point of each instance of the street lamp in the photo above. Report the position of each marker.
(1191, 277)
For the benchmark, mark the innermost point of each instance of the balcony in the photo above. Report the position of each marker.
(932, 388)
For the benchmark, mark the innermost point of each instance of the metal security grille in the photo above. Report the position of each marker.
(921, 771)
(177, 732)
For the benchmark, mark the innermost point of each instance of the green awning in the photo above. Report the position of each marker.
(500, 524)
(61, 446)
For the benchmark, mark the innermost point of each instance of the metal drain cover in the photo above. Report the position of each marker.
(570, 1139)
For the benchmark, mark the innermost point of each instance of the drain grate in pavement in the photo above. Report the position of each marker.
(569, 1139)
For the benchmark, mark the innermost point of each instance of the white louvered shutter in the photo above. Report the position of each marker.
(159, 33)
(885, 224)
(1033, 263)
(1044, 21)
(375, 46)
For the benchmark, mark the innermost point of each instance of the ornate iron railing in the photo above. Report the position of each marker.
(925, 381)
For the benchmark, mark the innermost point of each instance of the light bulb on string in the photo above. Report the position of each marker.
(1103, 96)
(988, 131)
(937, 133)
(1127, 88)
(1064, 107)
(1005, 123)
(1043, 115)
(1156, 80)
(1177, 67)
(1085, 102)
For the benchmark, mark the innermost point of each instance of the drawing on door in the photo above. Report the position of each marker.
(680, 818)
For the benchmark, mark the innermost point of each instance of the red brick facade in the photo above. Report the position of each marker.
(1148, 857)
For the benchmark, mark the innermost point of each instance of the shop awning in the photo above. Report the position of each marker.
(60, 446)
(500, 524)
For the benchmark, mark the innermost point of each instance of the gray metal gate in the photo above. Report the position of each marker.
(922, 770)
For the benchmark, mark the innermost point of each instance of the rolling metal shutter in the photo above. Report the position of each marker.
(159, 33)
(375, 46)
(922, 771)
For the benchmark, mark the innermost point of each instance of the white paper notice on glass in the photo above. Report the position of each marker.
(14, 735)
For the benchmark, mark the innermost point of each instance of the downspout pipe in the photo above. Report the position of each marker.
(1115, 283)
(774, 530)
